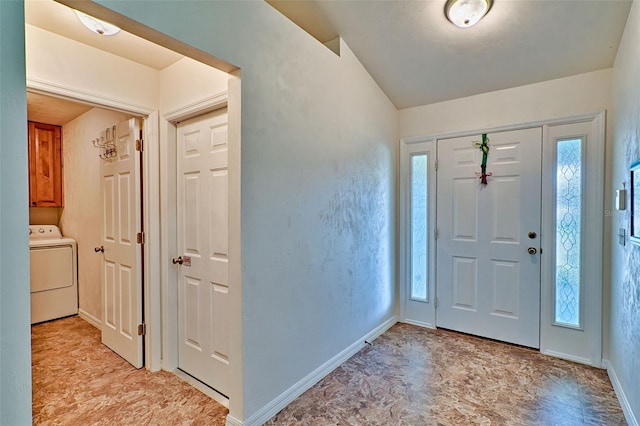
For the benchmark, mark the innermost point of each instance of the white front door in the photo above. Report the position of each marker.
(202, 223)
(488, 281)
(121, 265)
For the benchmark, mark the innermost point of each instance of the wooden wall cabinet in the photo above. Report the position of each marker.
(45, 165)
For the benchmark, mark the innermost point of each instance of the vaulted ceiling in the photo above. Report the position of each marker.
(418, 57)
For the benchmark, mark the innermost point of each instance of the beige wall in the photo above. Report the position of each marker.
(76, 68)
(580, 94)
(624, 347)
(82, 214)
(45, 215)
(187, 82)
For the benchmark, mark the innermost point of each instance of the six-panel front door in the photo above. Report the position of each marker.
(122, 255)
(202, 223)
(488, 276)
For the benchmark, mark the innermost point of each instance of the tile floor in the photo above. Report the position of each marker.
(409, 376)
(415, 376)
(78, 381)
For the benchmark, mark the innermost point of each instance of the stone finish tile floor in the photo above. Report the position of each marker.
(78, 381)
(409, 376)
(415, 376)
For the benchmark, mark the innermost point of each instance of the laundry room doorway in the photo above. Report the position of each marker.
(101, 210)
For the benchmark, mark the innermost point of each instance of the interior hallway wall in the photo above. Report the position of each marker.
(318, 190)
(624, 348)
(82, 214)
(15, 322)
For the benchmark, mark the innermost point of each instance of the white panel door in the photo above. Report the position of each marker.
(121, 265)
(488, 282)
(202, 216)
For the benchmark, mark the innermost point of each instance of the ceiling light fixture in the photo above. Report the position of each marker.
(96, 25)
(465, 13)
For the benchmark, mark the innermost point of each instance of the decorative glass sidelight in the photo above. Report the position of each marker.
(568, 232)
(419, 227)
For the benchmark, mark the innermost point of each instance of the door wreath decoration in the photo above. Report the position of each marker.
(484, 147)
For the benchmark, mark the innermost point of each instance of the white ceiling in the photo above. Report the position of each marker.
(411, 50)
(418, 57)
(59, 19)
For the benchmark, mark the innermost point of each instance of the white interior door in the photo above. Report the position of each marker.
(202, 223)
(121, 266)
(488, 282)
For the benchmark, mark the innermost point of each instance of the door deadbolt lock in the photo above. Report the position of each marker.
(177, 260)
(99, 249)
(532, 250)
(532, 235)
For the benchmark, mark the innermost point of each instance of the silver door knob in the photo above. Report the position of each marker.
(532, 250)
(177, 260)
(99, 249)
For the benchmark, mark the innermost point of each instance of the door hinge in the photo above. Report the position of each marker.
(435, 303)
(140, 237)
(139, 145)
(142, 329)
(436, 233)
(437, 164)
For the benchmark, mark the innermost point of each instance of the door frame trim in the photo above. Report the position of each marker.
(593, 210)
(150, 197)
(169, 229)
(519, 126)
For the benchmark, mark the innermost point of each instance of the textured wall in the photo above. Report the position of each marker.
(82, 214)
(624, 347)
(318, 183)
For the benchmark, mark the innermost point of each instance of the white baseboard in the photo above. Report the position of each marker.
(418, 323)
(211, 393)
(631, 418)
(568, 357)
(90, 318)
(285, 398)
(232, 421)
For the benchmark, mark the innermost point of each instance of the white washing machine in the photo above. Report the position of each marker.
(54, 274)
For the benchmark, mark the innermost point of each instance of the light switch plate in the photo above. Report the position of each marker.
(621, 198)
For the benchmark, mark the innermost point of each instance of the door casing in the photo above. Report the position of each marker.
(551, 340)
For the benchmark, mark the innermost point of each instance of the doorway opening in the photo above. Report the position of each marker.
(180, 89)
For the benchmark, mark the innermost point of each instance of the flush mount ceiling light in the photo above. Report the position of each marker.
(96, 25)
(465, 13)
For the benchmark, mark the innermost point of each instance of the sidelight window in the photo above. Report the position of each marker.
(568, 231)
(419, 227)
